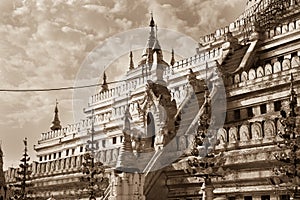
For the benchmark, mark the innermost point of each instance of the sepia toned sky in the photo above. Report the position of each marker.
(44, 42)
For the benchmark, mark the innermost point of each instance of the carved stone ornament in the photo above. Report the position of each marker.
(158, 101)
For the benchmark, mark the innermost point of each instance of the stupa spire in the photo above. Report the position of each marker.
(56, 122)
(131, 64)
(172, 62)
(152, 23)
(104, 84)
(156, 45)
(147, 55)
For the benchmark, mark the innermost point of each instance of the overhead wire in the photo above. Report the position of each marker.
(59, 88)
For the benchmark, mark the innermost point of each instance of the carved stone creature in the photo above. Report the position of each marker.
(197, 85)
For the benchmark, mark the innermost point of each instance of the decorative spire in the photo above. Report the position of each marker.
(147, 55)
(131, 65)
(156, 45)
(152, 38)
(104, 84)
(172, 62)
(152, 23)
(55, 123)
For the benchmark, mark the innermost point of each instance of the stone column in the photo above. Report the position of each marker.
(208, 190)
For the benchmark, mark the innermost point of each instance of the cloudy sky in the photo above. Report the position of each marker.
(44, 42)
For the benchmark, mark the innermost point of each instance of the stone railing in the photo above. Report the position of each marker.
(73, 129)
(121, 89)
(185, 64)
(266, 70)
(247, 19)
(65, 165)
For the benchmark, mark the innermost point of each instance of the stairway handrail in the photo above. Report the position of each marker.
(106, 192)
(185, 101)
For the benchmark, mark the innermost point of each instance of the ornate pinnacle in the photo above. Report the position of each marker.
(152, 23)
(104, 84)
(131, 64)
(172, 62)
(56, 122)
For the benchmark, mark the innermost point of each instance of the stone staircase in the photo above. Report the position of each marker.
(161, 184)
(187, 115)
(152, 162)
(182, 185)
(174, 150)
(171, 184)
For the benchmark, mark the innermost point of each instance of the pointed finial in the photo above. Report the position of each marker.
(104, 78)
(131, 64)
(152, 23)
(55, 123)
(25, 141)
(172, 62)
(56, 109)
(104, 84)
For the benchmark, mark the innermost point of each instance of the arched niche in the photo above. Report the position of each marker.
(244, 76)
(292, 26)
(277, 67)
(269, 129)
(244, 133)
(222, 136)
(295, 62)
(268, 69)
(260, 72)
(233, 135)
(256, 131)
(286, 64)
(252, 74)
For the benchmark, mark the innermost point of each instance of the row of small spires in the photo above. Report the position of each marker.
(131, 64)
(104, 87)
